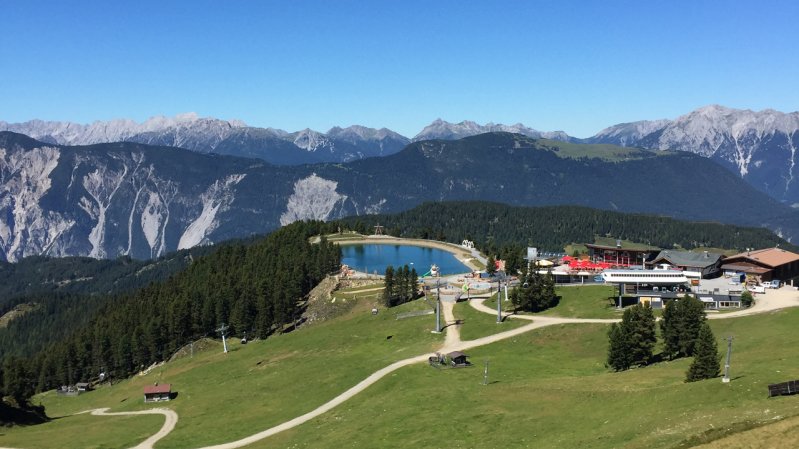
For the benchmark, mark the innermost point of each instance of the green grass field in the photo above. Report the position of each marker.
(344, 236)
(585, 301)
(84, 431)
(478, 324)
(253, 387)
(605, 152)
(547, 388)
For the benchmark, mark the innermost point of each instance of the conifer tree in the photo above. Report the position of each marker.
(491, 265)
(682, 321)
(641, 334)
(618, 353)
(706, 359)
(413, 282)
(388, 289)
(635, 338)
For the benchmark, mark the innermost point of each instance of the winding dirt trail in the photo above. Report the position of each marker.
(169, 423)
(453, 329)
(774, 300)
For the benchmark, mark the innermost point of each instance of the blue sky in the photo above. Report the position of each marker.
(552, 65)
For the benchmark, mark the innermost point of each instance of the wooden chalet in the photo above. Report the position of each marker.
(696, 265)
(157, 393)
(765, 264)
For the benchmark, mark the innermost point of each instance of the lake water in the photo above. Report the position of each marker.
(377, 257)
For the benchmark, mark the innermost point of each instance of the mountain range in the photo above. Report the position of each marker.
(231, 137)
(124, 198)
(758, 146)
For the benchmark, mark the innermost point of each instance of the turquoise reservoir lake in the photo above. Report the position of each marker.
(373, 258)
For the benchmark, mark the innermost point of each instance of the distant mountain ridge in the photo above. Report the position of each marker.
(444, 130)
(113, 199)
(232, 137)
(761, 146)
(276, 146)
(758, 146)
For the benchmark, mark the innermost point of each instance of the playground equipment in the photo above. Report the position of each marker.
(434, 271)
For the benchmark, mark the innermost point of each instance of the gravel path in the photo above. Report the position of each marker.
(453, 329)
(770, 301)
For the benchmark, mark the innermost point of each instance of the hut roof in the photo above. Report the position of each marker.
(158, 389)
(456, 354)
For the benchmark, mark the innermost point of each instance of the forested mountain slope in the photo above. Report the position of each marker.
(551, 228)
(108, 200)
(255, 288)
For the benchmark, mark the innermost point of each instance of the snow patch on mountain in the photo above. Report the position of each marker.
(217, 198)
(313, 199)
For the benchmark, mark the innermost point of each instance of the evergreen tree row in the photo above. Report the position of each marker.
(255, 288)
(507, 230)
(401, 285)
(685, 333)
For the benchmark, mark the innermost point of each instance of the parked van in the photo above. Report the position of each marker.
(775, 283)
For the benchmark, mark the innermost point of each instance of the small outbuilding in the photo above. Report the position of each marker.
(458, 358)
(82, 387)
(157, 393)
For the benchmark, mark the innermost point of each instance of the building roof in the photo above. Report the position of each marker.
(771, 257)
(456, 354)
(657, 277)
(158, 389)
(687, 258)
(745, 268)
(616, 248)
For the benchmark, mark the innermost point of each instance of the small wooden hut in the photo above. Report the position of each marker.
(157, 393)
(458, 358)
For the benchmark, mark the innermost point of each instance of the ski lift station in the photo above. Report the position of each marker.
(657, 287)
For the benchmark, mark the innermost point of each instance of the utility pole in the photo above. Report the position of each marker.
(485, 374)
(222, 330)
(726, 378)
(438, 306)
(499, 302)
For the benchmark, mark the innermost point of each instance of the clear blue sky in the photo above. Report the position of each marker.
(554, 65)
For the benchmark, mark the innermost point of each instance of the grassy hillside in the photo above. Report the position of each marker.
(606, 152)
(548, 388)
(255, 386)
